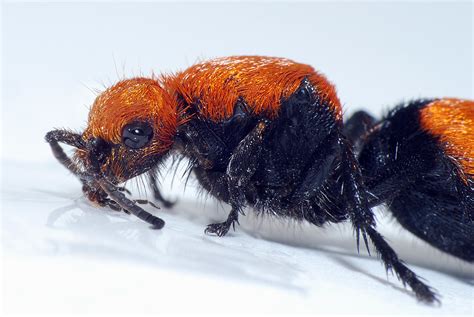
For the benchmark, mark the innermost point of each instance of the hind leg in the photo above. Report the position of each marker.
(363, 221)
(424, 192)
(352, 191)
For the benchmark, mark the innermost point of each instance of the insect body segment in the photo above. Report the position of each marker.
(418, 160)
(452, 122)
(259, 132)
(218, 84)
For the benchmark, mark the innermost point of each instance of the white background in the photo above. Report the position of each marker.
(61, 255)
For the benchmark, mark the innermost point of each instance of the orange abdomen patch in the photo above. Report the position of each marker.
(216, 85)
(452, 121)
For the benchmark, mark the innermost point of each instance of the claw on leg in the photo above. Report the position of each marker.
(220, 229)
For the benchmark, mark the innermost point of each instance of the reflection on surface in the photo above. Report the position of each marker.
(52, 221)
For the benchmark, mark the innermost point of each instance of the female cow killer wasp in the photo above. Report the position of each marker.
(258, 131)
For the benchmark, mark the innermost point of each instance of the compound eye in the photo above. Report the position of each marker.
(137, 134)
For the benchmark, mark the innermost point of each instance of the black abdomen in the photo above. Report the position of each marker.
(406, 168)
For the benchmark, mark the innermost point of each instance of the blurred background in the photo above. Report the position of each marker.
(377, 54)
(62, 255)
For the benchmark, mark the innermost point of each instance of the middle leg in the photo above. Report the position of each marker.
(242, 166)
(156, 191)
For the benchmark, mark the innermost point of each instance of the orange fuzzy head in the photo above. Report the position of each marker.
(131, 125)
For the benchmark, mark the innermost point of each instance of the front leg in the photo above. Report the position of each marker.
(95, 187)
(116, 194)
(242, 166)
(70, 138)
(97, 195)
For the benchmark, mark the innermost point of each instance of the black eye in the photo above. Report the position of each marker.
(136, 135)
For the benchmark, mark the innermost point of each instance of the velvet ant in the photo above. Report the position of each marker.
(268, 133)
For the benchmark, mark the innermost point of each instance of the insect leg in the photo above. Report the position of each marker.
(156, 191)
(220, 229)
(69, 138)
(385, 189)
(89, 187)
(394, 177)
(364, 223)
(96, 195)
(242, 166)
(130, 205)
(146, 202)
(321, 167)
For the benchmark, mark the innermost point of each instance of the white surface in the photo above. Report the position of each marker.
(61, 255)
(376, 54)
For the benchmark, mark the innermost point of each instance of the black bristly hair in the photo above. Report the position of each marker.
(259, 132)
(407, 168)
(299, 165)
(94, 185)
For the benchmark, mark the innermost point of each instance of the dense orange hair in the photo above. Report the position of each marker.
(261, 81)
(130, 100)
(216, 84)
(452, 121)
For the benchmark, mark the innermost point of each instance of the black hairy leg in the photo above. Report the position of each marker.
(395, 178)
(94, 193)
(145, 202)
(242, 166)
(319, 170)
(298, 165)
(130, 205)
(157, 193)
(221, 228)
(67, 137)
(95, 187)
(391, 261)
(97, 195)
(364, 224)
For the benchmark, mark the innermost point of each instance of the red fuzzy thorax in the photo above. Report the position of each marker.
(214, 86)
